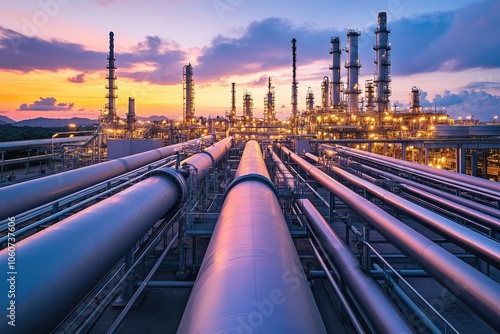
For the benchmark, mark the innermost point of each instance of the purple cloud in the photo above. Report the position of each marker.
(24, 53)
(46, 104)
(79, 78)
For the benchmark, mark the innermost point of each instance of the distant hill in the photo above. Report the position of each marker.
(6, 120)
(55, 122)
(153, 118)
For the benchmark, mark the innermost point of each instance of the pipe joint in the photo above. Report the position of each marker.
(253, 177)
(174, 175)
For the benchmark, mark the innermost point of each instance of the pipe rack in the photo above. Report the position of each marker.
(251, 278)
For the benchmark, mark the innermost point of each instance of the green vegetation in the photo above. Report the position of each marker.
(13, 133)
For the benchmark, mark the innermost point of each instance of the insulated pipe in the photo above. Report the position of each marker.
(381, 312)
(486, 248)
(476, 290)
(27, 195)
(474, 207)
(206, 159)
(476, 216)
(251, 279)
(55, 268)
(468, 181)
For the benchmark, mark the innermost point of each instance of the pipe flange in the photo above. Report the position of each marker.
(176, 176)
(253, 177)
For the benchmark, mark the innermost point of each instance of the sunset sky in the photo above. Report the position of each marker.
(53, 53)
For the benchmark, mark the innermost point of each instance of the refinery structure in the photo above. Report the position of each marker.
(348, 217)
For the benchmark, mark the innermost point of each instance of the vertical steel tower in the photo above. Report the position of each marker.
(131, 117)
(188, 87)
(310, 100)
(247, 107)
(325, 93)
(110, 108)
(353, 64)
(369, 96)
(415, 100)
(383, 63)
(335, 51)
(269, 108)
(294, 80)
(232, 115)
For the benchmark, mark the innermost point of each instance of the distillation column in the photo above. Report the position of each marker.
(310, 100)
(294, 85)
(335, 67)
(325, 93)
(110, 108)
(269, 107)
(353, 64)
(369, 96)
(383, 63)
(188, 93)
(232, 115)
(131, 117)
(415, 100)
(247, 107)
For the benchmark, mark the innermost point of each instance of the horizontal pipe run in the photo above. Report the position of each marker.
(402, 272)
(381, 312)
(478, 291)
(251, 279)
(61, 264)
(338, 291)
(431, 327)
(168, 284)
(30, 194)
(206, 159)
(58, 266)
(487, 215)
(486, 248)
(477, 217)
(461, 180)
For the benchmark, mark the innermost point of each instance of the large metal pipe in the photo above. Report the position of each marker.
(55, 268)
(474, 207)
(476, 290)
(467, 181)
(28, 195)
(486, 248)
(251, 279)
(381, 312)
(207, 159)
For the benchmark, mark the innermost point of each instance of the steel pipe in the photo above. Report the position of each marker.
(27, 195)
(206, 160)
(251, 279)
(486, 248)
(476, 290)
(55, 268)
(487, 215)
(381, 312)
(467, 181)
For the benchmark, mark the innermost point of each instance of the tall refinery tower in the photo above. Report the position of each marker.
(188, 89)
(294, 82)
(110, 108)
(383, 63)
(269, 104)
(353, 64)
(335, 67)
